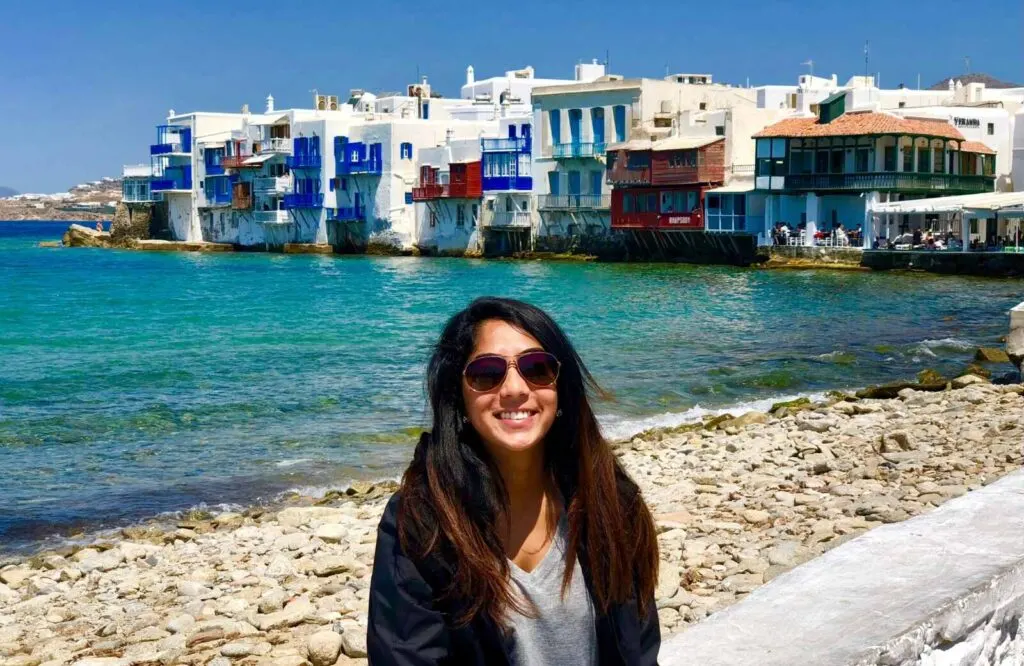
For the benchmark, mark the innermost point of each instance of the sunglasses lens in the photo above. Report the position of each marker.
(486, 372)
(538, 368)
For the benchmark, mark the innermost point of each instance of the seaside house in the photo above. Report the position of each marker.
(448, 198)
(822, 171)
(509, 210)
(576, 123)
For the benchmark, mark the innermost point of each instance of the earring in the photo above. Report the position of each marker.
(558, 413)
(465, 420)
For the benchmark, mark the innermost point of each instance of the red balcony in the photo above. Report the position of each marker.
(429, 192)
(465, 183)
(672, 209)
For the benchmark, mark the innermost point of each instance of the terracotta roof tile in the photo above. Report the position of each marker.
(976, 147)
(860, 124)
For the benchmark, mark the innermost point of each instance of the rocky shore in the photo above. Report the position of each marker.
(738, 500)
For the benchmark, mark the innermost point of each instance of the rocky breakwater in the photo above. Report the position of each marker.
(738, 500)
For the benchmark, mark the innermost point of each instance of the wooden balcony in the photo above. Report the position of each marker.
(889, 182)
(241, 196)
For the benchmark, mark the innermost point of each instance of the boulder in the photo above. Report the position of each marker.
(967, 380)
(323, 648)
(80, 236)
(668, 580)
(991, 355)
(297, 516)
(353, 642)
(750, 418)
(294, 613)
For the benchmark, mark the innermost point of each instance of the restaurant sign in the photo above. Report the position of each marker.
(966, 122)
(679, 219)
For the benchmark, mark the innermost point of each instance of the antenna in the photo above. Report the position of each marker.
(607, 61)
(866, 52)
(919, 80)
(967, 64)
(809, 63)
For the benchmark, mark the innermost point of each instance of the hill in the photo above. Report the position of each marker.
(85, 202)
(7, 192)
(989, 81)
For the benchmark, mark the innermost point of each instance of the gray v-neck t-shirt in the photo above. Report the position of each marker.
(563, 633)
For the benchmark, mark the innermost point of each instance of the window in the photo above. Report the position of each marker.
(433, 219)
(719, 130)
(490, 204)
(628, 203)
(460, 216)
(903, 105)
(476, 215)
(938, 161)
(555, 119)
(343, 184)
(553, 183)
(837, 161)
(922, 160)
(991, 129)
(862, 161)
(619, 116)
(908, 158)
(575, 125)
(889, 159)
(509, 206)
(703, 106)
(974, 225)
(597, 123)
(405, 151)
(408, 197)
(771, 157)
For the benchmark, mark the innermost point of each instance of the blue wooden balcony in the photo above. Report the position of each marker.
(172, 139)
(507, 183)
(304, 161)
(356, 157)
(173, 179)
(348, 214)
(578, 150)
(297, 200)
(368, 166)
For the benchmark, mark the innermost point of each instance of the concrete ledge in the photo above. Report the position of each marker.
(182, 246)
(942, 589)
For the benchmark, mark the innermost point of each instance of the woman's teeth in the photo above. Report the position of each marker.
(514, 416)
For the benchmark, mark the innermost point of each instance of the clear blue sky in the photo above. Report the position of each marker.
(82, 84)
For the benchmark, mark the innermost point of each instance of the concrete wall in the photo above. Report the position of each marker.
(942, 589)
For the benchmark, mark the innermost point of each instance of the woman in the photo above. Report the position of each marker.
(516, 536)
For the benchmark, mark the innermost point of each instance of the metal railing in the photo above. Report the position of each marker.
(571, 150)
(137, 171)
(575, 202)
(511, 219)
(219, 199)
(275, 145)
(915, 182)
(349, 214)
(276, 184)
(427, 192)
(304, 161)
(370, 167)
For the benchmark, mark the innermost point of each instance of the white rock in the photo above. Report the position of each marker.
(668, 580)
(133, 551)
(298, 516)
(292, 541)
(181, 624)
(191, 588)
(272, 600)
(107, 561)
(353, 641)
(15, 578)
(331, 533)
(294, 613)
(281, 567)
(323, 648)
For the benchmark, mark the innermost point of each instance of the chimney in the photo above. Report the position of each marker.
(270, 104)
(470, 78)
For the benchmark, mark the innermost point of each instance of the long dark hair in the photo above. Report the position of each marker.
(452, 495)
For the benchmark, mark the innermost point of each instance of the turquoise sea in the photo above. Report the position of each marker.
(133, 384)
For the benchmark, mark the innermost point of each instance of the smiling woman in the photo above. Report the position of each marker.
(516, 537)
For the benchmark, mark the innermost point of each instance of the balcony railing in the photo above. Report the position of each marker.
(908, 182)
(575, 202)
(626, 175)
(137, 171)
(508, 183)
(519, 144)
(428, 192)
(173, 179)
(272, 184)
(572, 150)
(219, 199)
(517, 219)
(348, 214)
(295, 200)
(271, 217)
(369, 167)
(304, 161)
(275, 145)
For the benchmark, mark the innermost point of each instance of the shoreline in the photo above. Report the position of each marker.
(738, 499)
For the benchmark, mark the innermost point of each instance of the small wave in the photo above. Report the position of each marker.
(839, 356)
(292, 462)
(952, 344)
(618, 428)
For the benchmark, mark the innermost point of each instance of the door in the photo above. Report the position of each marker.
(596, 177)
(575, 128)
(575, 189)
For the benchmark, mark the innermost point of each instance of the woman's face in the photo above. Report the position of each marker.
(514, 416)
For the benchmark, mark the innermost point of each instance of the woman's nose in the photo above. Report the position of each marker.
(514, 383)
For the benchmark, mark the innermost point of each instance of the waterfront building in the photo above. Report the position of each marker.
(448, 198)
(574, 125)
(820, 172)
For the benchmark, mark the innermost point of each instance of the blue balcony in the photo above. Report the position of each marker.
(578, 150)
(347, 214)
(517, 145)
(296, 200)
(305, 153)
(173, 179)
(172, 139)
(368, 167)
(356, 157)
(218, 198)
(508, 183)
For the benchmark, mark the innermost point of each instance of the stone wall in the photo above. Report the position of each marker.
(786, 255)
(139, 221)
(942, 589)
(987, 264)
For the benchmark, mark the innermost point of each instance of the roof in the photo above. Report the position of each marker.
(976, 147)
(258, 159)
(860, 123)
(668, 143)
(735, 187)
(988, 201)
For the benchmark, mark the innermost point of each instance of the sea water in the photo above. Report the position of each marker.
(138, 383)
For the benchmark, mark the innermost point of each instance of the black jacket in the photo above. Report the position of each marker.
(408, 627)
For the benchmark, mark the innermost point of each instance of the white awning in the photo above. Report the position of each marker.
(992, 202)
(735, 187)
(258, 159)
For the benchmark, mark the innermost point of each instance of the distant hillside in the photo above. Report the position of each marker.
(7, 192)
(989, 81)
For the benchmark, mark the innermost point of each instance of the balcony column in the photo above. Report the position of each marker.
(965, 232)
(914, 154)
(813, 212)
(899, 154)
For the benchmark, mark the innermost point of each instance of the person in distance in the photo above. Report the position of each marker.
(516, 537)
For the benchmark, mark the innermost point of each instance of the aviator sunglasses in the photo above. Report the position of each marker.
(485, 373)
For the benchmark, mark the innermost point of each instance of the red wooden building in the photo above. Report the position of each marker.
(464, 182)
(660, 185)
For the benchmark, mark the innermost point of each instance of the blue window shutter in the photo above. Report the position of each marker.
(332, 184)
(408, 197)
(511, 131)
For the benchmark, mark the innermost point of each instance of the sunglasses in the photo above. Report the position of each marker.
(486, 373)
